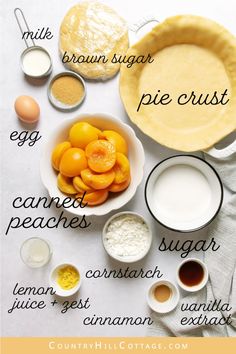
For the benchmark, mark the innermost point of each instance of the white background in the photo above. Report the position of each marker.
(20, 177)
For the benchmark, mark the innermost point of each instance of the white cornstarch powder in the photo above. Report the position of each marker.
(127, 235)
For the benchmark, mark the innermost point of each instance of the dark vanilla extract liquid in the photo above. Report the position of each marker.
(191, 273)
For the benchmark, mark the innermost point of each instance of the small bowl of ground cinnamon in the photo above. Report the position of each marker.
(66, 91)
(163, 296)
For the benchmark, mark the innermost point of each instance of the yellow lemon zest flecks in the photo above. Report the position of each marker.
(68, 277)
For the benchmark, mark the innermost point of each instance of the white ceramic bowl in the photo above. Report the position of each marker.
(167, 306)
(126, 259)
(201, 285)
(104, 122)
(190, 195)
(53, 281)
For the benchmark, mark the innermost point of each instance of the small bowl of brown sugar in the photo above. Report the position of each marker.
(66, 91)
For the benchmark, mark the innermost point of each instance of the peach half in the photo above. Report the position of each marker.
(101, 155)
(73, 162)
(121, 168)
(117, 140)
(65, 184)
(119, 187)
(97, 180)
(80, 185)
(58, 152)
(82, 133)
(94, 198)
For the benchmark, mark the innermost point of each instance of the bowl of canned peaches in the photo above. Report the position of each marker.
(95, 159)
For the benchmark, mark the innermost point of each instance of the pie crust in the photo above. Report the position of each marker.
(190, 53)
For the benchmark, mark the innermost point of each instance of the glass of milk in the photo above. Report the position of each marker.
(35, 252)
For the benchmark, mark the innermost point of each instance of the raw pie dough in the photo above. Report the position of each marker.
(190, 54)
(93, 29)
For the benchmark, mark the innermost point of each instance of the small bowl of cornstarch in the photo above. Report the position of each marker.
(127, 237)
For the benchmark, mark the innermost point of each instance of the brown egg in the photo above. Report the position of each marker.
(27, 109)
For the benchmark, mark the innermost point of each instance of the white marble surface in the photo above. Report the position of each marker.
(20, 177)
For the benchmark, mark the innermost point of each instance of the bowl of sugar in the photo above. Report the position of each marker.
(184, 193)
(127, 237)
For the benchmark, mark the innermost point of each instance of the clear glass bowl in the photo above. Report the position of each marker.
(35, 252)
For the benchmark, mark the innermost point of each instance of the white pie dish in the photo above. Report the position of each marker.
(105, 122)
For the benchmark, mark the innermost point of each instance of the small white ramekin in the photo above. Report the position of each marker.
(201, 284)
(126, 259)
(53, 281)
(167, 306)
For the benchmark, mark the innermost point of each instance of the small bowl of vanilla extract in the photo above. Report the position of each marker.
(192, 275)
